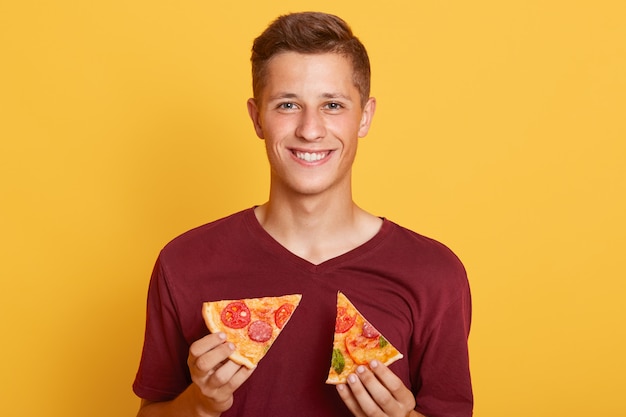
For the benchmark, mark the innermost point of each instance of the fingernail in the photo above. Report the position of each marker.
(374, 364)
(360, 369)
(221, 335)
(341, 387)
(352, 378)
(231, 346)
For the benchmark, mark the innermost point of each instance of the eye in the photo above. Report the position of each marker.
(333, 105)
(286, 106)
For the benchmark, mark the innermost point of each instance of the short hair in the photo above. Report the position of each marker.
(310, 33)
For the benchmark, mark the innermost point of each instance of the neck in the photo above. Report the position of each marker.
(317, 229)
(307, 216)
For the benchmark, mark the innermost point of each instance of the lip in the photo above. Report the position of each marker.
(311, 157)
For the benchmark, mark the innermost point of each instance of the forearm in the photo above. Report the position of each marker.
(188, 403)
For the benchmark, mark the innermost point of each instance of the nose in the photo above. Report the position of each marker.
(311, 125)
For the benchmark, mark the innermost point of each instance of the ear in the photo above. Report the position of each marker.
(366, 117)
(253, 111)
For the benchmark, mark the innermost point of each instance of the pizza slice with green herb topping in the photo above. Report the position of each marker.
(356, 342)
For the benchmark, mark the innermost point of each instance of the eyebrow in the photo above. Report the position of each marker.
(337, 95)
(282, 96)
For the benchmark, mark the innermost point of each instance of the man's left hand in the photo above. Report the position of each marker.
(377, 392)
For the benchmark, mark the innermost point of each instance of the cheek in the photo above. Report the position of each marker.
(347, 130)
(274, 130)
(275, 152)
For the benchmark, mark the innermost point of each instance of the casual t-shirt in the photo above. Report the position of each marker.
(411, 288)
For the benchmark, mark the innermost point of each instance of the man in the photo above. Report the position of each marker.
(311, 105)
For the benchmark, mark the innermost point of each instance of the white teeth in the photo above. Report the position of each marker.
(311, 156)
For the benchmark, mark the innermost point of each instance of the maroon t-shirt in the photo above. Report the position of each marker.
(411, 288)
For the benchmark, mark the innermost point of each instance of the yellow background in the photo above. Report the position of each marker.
(500, 131)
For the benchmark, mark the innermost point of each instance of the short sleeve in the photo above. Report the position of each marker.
(445, 388)
(163, 373)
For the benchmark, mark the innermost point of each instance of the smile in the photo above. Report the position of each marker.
(311, 156)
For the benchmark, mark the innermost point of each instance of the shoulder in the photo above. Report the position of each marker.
(420, 248)
(211, 235)
(424, 260)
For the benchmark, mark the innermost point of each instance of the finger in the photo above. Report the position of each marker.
(394, 386)
(207, 343)
(361, 392)
(241, 375)
(213, 359)
(224, 374)
(222, 383)
(349, 400)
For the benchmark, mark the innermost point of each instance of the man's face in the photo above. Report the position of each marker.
(310, 116)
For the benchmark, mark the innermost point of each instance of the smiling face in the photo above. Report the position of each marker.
(309, 114)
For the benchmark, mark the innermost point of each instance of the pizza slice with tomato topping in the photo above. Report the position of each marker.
(356, 342)
(251, 324)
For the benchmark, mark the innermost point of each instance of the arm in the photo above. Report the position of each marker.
(214, 379)
(377, 392)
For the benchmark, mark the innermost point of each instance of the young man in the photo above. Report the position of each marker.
(311, 105)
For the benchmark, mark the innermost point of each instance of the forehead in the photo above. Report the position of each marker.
(296, 71)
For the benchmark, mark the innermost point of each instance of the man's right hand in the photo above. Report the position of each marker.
(215, 377)
(214, 380)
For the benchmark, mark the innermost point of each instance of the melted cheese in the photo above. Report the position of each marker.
(363, 353)
(248, 352)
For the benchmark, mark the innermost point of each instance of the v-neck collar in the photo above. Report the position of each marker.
(275, 247)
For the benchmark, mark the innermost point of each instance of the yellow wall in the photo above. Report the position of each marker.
(500, 131)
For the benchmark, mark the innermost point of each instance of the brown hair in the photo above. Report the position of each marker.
(310, 33)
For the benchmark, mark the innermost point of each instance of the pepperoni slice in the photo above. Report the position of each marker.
(282, 314)
(344, 320)
(260, 331)
(369, 331)
(236, 315)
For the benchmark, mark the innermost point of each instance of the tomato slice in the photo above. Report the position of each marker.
(282, 314)
(363, 349)
(344, 320)
(236, 315)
